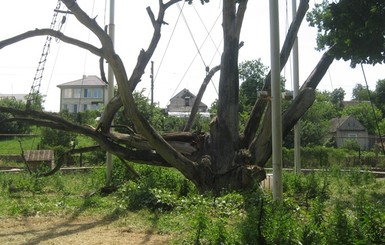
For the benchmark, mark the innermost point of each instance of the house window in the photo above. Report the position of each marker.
(187, 101)
(84, 107)
(75, 108)
(65, 107)
(97, 93)
(67, 93)
(87, 93)
(77, 92)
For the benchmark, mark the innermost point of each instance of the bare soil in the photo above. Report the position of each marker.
(73, 230)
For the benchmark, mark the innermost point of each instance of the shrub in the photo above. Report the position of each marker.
(53, 137)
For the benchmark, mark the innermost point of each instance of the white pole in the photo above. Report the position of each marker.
(297, 127)
(276, 102)
(111, 33)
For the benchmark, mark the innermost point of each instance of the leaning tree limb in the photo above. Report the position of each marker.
(297, 108)
(198, 98)
(259, 107)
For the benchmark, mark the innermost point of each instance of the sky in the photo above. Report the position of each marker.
(177, 62)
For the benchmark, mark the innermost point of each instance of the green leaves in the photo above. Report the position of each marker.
(355, 28)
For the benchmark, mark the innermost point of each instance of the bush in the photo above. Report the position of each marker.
(13, 127)
(53, 137)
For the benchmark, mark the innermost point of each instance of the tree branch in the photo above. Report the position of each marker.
(91, 24)
(49, 32)
(199, 96)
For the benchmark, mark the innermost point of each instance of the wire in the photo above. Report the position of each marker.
(212, 27)
(199, 48)
(85, 62)
(169, 41)
(374, 112)
(192, 37)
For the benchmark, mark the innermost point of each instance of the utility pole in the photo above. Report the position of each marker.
(297, 126)
(111, 33)
(276, 102)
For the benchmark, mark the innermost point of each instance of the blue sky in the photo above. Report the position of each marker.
(176, 67)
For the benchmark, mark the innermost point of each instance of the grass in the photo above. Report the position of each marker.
(13, 146)
(23, 194)
(319, 208)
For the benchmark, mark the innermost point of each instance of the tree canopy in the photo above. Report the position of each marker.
(355, 28)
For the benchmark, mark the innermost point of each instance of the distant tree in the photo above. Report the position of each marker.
(151, 113)
(35, 101)
(380, 96)
(12, 127)
(360, 93)
(315, 123)
(337, 97)
(252, 74)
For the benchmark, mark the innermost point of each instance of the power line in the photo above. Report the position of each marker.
(373, 110)
(199, 48)
(209, 31)
(192, 37)
(169, 41)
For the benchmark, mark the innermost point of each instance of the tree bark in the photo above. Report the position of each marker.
(224, 129)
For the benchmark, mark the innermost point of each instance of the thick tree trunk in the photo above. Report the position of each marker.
(224, 129)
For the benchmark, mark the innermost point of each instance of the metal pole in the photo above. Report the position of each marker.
(111, 33)
(297, 127)
(276, 102)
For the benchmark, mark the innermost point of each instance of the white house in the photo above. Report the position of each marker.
(87, 93)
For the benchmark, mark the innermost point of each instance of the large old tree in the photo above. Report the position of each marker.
(223, 158)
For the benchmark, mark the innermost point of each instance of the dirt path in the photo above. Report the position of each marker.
(67, 230)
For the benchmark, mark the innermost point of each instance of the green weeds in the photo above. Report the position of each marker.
(327, 207)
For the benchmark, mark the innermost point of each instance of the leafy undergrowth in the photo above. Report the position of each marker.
(329, 207)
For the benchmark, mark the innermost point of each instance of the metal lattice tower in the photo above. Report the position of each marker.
(35, 88)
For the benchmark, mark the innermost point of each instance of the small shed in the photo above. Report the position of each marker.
(349, 128)
(37, 158)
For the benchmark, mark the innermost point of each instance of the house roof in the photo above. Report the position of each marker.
(39, 155)
(184, 93)
(88, 81)
(343, 123)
